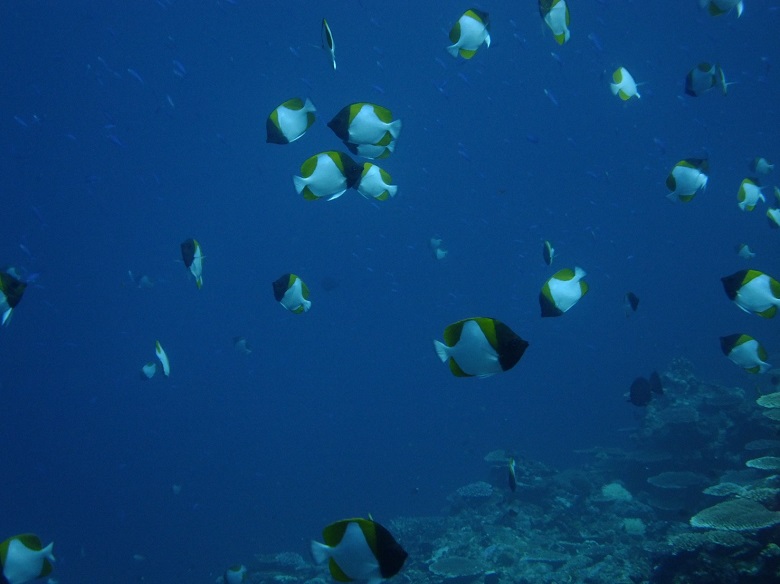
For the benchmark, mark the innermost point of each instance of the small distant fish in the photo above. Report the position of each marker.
(656, 385)
(623, 84)
(640, 392)
(743, 250)
(327, 42)
(439, 252)
(234, 575)
(753, 291)
(24, 559)
(718, 7)
(701, 79)
(745, 351)
(511, 475)
(468, 33)
(631, 303)
(292, 293)
(178, 69)
(149, 370)
(289, 121)
(596, 42)
(241, 345)
(480, 347)
(562, 291)
(749, 194)
(551, 97)
(135, 75)
(548, 253)
(193, 259)
(761, 165)
(555, 14)
(114, 139)
(359, 549)
(11, 292)
(163, 357)
(773, 216)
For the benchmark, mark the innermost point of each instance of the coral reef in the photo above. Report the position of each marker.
(646, 513)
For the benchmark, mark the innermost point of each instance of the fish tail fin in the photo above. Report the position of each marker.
(394, 128)
(320, 552)
(300, 183)
(453, 50)
(442, 350)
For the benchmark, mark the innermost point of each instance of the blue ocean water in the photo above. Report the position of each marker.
(127, 128)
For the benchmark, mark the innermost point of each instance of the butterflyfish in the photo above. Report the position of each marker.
(365, 123)
(234, 574)
(773, 216)
(746, 352)
(468, 33)
(372, 150)
(327, 175)
(193, 259)
(623, 84)
(11, 292)
(562, 291)
(701, 79)
(718, 7)
(511, 474)
(359, 550)
(163, 358)
(753, 291)
(743, 250)
(327, 42)
(375, 183)
(555, 14)
(480, 347)
(291, 292)
(148, 371)
(761, 165)
(23, 559)
(749, 194)
(687, 179)
(435, 244)
(289, 121)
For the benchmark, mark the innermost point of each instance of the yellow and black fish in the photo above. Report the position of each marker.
(11, 292)
(193, 259)
(745, 351)
(480, 347)
(289, 121)
(468, 33)
(753, 291)
(562, 291)
(23, 558)
(359, 549)
(292, 293)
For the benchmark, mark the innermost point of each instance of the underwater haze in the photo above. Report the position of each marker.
(127, 128)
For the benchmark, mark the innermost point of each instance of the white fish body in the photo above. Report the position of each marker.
(22, 564)
(623, 84)
(473, 32)
(473, 352)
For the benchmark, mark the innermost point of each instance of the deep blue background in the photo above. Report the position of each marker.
(345, 410)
